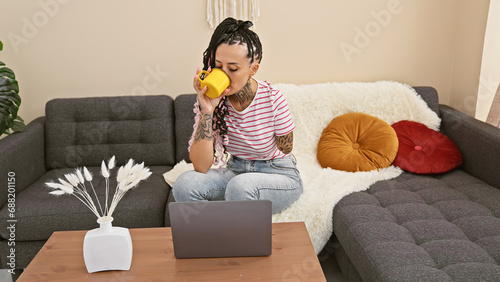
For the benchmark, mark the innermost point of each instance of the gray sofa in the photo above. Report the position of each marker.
(427, 227)
(83, 132)
(414, 227)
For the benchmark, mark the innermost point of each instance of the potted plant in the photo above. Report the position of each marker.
(9, 101)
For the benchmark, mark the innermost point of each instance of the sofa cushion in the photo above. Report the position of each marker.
(357, 142)
(39, 214)
(84, 131)
(184, 122)
(431, 228)
(423, 150)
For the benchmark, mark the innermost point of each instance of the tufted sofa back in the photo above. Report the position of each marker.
(85, 131)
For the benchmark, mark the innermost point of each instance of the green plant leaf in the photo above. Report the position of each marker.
(1, 46)
(11, 87)
(18, 124)
(9, 93)
(6, 72)
(4, 127)
(10, 101)
(5, 110)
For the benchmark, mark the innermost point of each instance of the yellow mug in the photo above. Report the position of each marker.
(216, 82)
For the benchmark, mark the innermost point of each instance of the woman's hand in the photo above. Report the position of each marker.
(207, 104)
(202, 149)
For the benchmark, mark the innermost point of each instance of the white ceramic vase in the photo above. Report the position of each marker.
(107, 248)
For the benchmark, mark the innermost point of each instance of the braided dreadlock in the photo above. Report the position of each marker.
(230, 31)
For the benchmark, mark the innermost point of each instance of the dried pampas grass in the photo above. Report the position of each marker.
(128, 177)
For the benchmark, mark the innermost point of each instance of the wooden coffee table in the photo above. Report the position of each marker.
(293, 257)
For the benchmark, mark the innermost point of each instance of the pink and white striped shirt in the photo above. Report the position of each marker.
(252, 132)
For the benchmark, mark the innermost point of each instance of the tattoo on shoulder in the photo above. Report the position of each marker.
(285, 143)
(204, 130)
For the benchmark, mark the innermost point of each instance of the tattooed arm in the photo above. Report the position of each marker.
(285, 143)
(202, 148)
(201, 153)
(204, 129)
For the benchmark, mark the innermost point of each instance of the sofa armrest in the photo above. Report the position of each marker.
(430, 96)
(478, 141)
(23, 158)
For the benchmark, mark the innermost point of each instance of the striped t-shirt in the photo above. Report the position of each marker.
(252, 132)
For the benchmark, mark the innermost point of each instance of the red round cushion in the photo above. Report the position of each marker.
(423, 150)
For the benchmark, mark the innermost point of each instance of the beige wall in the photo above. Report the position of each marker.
(468, 49)
(62, 48)
(490, 67)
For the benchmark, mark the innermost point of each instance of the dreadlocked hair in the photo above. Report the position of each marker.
(230, 31)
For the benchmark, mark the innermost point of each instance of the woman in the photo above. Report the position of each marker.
(250, 120)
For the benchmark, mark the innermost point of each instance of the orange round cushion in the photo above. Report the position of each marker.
(357, 142)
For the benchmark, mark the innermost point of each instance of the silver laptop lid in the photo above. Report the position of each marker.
(221, 228)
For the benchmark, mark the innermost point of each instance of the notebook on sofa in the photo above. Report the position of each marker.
(221, 228)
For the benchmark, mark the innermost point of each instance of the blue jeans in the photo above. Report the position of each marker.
(277, 180)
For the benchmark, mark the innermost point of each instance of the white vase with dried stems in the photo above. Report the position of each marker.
(106, 247)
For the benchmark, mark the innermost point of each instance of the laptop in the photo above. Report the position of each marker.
(221, 228)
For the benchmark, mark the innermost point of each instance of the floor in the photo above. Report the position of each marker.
(329, 263)
(332, 270)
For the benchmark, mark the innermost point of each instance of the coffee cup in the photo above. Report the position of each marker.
(216, 82)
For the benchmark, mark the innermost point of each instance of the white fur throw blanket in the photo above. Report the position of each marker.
(313, 107)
